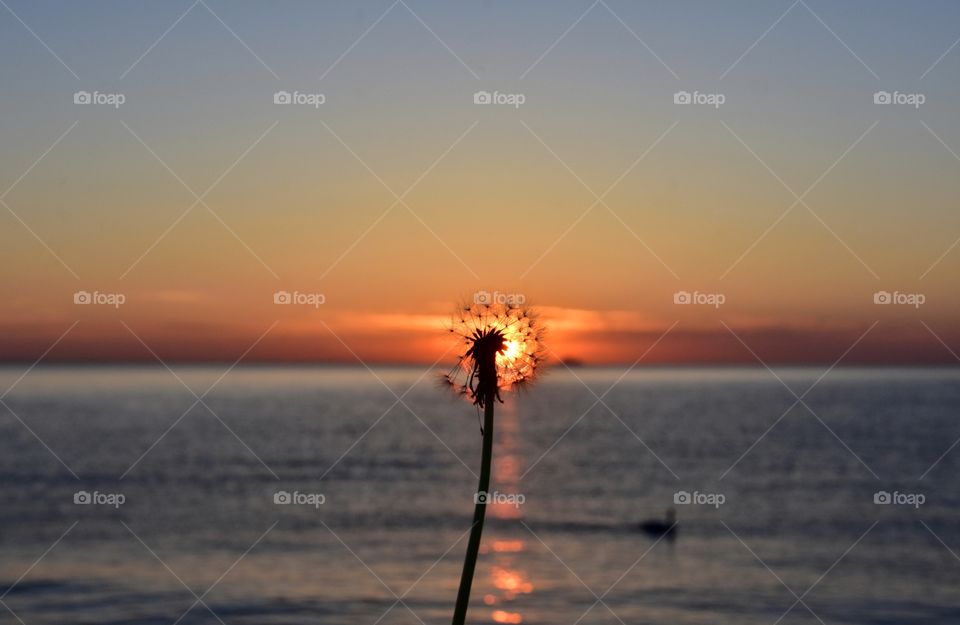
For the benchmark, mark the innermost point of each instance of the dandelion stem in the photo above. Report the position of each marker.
(479, 511)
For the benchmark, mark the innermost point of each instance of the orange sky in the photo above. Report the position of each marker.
(599, 199)
(589, 336)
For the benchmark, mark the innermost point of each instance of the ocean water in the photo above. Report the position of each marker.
(783, 527)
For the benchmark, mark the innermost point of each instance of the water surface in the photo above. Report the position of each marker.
(199, 537)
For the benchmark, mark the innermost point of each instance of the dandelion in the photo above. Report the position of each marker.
(502, 349)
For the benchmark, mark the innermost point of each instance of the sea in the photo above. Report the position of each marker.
(332, 495)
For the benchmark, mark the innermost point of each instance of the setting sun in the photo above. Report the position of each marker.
(512, 350)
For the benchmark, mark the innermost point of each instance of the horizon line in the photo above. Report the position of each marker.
(932, 363)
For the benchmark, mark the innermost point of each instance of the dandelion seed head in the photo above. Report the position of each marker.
(501, 347)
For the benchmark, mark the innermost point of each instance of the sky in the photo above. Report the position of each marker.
(785, 199)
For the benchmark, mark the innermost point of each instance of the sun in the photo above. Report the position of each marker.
(512, 350)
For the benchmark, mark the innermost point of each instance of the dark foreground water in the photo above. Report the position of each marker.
(200, 539)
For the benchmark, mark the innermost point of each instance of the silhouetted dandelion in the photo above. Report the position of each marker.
(502, 349)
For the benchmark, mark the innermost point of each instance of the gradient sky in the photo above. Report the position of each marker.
(501, 197)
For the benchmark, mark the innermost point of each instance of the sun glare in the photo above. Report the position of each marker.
(512, 349)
